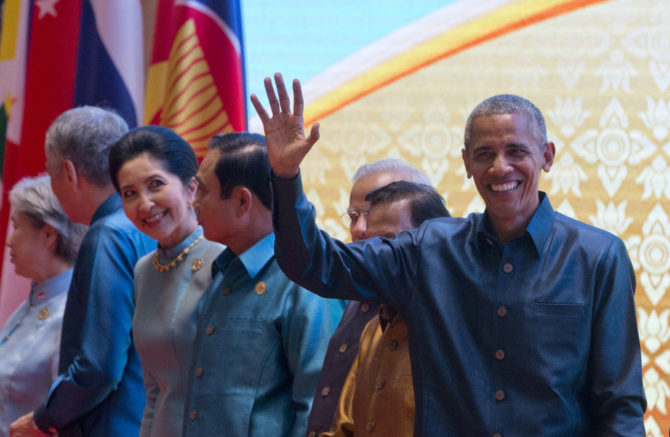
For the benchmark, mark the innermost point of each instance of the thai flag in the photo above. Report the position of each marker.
(110, 58)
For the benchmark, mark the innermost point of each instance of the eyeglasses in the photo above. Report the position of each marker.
(352, 216)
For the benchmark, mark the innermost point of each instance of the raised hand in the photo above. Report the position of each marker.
(284, 131)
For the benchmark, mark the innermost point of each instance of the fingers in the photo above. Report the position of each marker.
(259, 108)
(298, 102)
(284, 101)
(269, 90)
(313, 135)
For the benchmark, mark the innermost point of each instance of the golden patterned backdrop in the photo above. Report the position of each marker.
(601, 75)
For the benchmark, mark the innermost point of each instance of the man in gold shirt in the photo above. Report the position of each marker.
(378, 394)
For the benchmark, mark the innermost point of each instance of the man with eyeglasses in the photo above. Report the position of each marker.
(343, 345)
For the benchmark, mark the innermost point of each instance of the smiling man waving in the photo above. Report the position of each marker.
(521, 321)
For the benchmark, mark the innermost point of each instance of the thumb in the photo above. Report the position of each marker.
(313, 135)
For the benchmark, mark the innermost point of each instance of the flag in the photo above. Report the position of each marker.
(57, 54)
(110, 58)
(38, 57)
(195, 83)
(60, 54)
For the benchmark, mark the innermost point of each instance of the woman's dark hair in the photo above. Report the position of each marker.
(244, 161)
(161, 144)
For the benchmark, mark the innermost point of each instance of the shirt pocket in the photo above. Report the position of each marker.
(238, 353)
(556, 333)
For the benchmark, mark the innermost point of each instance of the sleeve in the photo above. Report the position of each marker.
(53, 354)
(309, 323)
(615, 371)
(151, 388)
(374, 269)
(103, 275)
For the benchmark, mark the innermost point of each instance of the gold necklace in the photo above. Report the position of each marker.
(164, 268)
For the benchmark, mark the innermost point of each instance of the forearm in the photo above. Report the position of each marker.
(73, 394)
(309, 256)
(618, 393)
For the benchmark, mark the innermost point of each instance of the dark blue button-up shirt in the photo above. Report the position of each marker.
(99, 391)
(534, 338)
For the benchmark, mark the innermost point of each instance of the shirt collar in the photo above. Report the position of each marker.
(253, 259)
(53, 286)
(539, 227)
(107, 207)
(172, 252)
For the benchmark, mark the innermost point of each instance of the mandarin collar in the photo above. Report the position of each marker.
(172, 252)
(55, 285)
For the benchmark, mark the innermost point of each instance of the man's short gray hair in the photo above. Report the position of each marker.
(34, 198)
(392, 165)
(84, 135)
(509, 104)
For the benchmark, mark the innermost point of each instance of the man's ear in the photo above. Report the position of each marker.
(466, 161)
(549, 153)
(70, 172)
(244, 198)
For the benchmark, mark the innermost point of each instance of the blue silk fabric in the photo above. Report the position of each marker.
(534, 338)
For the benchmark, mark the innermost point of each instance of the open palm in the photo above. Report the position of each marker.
(284, 131)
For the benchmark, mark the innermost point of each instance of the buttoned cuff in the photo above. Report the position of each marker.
(44, 421)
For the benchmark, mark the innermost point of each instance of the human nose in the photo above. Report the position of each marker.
(501, 164)
(145, 203)
(10, 239)
(357, 228)
(196, 201)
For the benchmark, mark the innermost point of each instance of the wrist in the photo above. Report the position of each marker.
(286, 174)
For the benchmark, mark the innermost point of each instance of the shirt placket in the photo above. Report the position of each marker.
(505, 315)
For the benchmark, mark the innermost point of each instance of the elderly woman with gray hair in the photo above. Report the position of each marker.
(42, 247)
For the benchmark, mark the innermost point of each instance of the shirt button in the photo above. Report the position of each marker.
(226, 291)
(371, 426)
(508, 267)
(210, 330)
(488, 240)
(502, 311)
(393, 345)
(500, 395)
(198, 372)
(380, 384)
(365, 307)
(343, 348)
(325, 391)
(192, 415)
(311, 434)
(500, 354)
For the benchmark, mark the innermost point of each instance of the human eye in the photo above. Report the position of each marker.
(156, 184)
(351, 216)
(483, 155)
(518, 151)
(127, 193)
